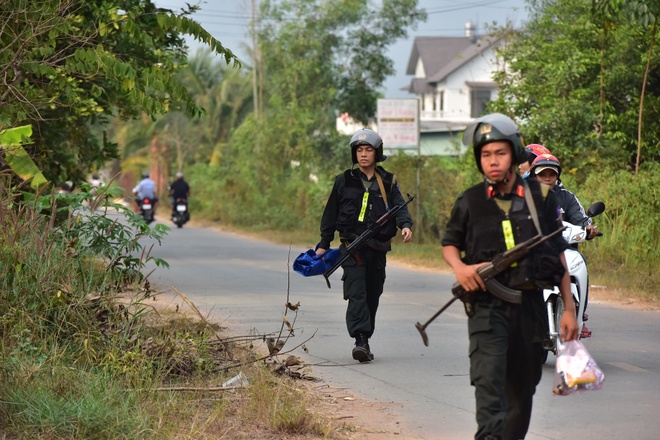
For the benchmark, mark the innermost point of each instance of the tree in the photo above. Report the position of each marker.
(316, 58)
(574, 80)
(68, 64)
(224, 93)
(331, 55)
(320, 58)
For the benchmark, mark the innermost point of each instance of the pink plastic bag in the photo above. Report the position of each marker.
(575, 370)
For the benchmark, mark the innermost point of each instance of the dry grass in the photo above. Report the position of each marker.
(282, 400)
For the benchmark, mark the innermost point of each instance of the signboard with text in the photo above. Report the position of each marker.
(398, 123)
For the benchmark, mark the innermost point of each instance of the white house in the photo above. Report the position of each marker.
(453, 81)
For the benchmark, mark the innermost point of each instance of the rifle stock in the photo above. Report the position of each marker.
(366, 235)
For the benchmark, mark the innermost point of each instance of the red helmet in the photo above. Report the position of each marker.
(532, 151)
(544, 162)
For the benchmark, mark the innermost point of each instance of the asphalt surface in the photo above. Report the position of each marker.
(245, 283)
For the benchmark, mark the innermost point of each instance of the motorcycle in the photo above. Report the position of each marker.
(180, 215)
(147, 210)
(577, 269)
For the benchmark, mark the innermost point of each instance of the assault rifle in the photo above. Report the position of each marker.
(488, 272)
(372, 230)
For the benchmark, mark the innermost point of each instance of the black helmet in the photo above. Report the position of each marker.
(491, 128)
(145, 174)
(366, 136)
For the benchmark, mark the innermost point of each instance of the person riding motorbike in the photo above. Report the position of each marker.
(547, 169)
(146, 188)
(531, 152)
(179, 189)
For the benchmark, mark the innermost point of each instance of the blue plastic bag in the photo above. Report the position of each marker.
(309, 264)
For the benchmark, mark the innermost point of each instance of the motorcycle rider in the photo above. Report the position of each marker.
(531, 152)
(547, 169)
(146, 188)
(96, 182)
(506, 340)
(179, 189)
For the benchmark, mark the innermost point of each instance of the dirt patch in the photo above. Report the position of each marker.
(621, 298)
(357, 418)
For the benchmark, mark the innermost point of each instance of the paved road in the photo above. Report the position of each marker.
(244, 283)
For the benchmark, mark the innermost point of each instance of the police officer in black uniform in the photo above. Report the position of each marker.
(506, 340)
(359, 197)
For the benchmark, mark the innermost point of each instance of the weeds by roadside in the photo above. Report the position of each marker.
(86, 353)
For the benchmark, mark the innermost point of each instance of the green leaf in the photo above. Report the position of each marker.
(17, 158)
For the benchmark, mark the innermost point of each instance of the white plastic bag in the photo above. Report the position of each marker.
(240, 380)
(575, 370)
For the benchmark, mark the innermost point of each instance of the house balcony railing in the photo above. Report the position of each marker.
(431, 115)
(441, 115)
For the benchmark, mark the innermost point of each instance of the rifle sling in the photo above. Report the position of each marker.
(532, 208)
(382, 188)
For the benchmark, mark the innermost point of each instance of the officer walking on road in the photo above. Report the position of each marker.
(359, 197)
(506, 340)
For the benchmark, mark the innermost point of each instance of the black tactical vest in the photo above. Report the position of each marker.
(485, 234)
(351, 203)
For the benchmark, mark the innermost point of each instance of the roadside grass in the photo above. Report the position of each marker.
(87, 353)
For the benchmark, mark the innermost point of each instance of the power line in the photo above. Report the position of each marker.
(463, 6)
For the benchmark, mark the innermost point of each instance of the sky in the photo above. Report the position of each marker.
(228, 21)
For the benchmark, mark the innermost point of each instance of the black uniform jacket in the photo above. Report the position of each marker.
(477, 227)
(344, 210)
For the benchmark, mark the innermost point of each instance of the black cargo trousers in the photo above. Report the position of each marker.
(506, 361)
(363, 285)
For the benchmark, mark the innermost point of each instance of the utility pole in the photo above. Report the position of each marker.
(255, 63)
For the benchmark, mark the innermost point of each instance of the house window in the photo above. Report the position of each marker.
(423, 103)
(478, 99)
(441, 98)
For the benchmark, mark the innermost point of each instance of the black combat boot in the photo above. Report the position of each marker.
(361, 350)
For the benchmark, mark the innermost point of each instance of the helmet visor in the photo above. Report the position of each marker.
(538, 170)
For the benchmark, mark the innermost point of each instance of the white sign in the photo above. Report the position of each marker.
(398, 123)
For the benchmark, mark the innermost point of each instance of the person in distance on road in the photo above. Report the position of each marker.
(146, 188)
(359, 197)
(179, 189)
